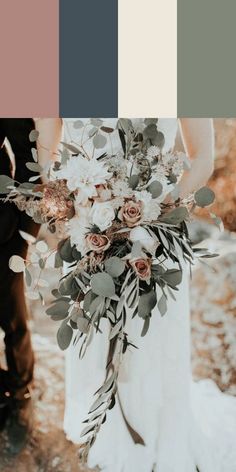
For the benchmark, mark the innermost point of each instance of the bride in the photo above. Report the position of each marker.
(181, 426)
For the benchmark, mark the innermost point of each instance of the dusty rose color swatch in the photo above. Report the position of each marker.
(29, 54)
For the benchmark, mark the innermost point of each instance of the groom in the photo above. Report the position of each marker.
(15, 401)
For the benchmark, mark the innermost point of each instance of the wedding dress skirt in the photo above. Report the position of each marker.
(184, 424)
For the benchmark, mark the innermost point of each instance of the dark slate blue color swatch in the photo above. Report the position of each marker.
(88, 58)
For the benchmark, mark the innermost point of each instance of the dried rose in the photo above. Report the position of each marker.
(97, 242)
(56, 201)
(142, 267)
(131, 213)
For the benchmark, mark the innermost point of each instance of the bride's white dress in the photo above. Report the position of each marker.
(184, 424)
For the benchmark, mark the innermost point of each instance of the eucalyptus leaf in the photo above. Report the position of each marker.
(158, 140)
(176, 216)
(92, 132)
(155, 188)
(83, 325)
(102, 284)
(204, 197)
(150, 121)
(162, 305)
(134, 181)
(33, 178)
(88, 298)
(87, 430)
(136, 250)
(55, 293)
(65, 155)
(5, 182)
(64, 335)
(107, 385)
(94, 305)
(33, 166)
(34, 153)
(28, 277)
(125, 124)
(59, 308)
(96, 122)
(147, 302)
(68, 286)
(99, 141)
(115, 330)
(145, 326)
(58, 261)
(27, 237)
(114, 266)
(17, 264)
(26, 186)
(76, 254)
(33, 136)
(107, 129)
(65, 250)
(150, 131)
(78, 124)
(71, 148)
(172, 277)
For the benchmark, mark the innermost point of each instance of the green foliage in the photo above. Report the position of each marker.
(146, 303)
(176, 216)
(114, 266)
(5, 182)
(99, 141)
(59, 310)
(102, 284)
(155, 188)
(34, 166)
(33, 136)
(64, 335)
(204, 197)
(134, 181)
(172, 277)
(66, 251)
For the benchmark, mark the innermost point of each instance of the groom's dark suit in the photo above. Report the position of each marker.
(13, 312)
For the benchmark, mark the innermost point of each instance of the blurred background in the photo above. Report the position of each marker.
(213, 318)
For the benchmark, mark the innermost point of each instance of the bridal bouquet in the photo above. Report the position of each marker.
(119, 219)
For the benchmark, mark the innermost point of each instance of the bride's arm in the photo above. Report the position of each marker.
(50, 131)
(198, 139)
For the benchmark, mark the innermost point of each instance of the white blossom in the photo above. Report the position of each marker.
(84, 175)
(77, 228)
(102, 215)
(120, 188)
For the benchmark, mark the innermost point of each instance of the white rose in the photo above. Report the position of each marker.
(102, 215)
(77, 229)
(142, 235)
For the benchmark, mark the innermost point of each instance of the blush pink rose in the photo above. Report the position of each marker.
(97, 242)
(142, 267)
(131, 213)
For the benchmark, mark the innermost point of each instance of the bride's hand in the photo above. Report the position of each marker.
(198, 139)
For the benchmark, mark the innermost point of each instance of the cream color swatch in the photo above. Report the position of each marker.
(147, 58)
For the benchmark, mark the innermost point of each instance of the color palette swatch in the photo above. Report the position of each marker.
(117, 58)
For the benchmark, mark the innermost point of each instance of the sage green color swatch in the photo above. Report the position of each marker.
(206, 58)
